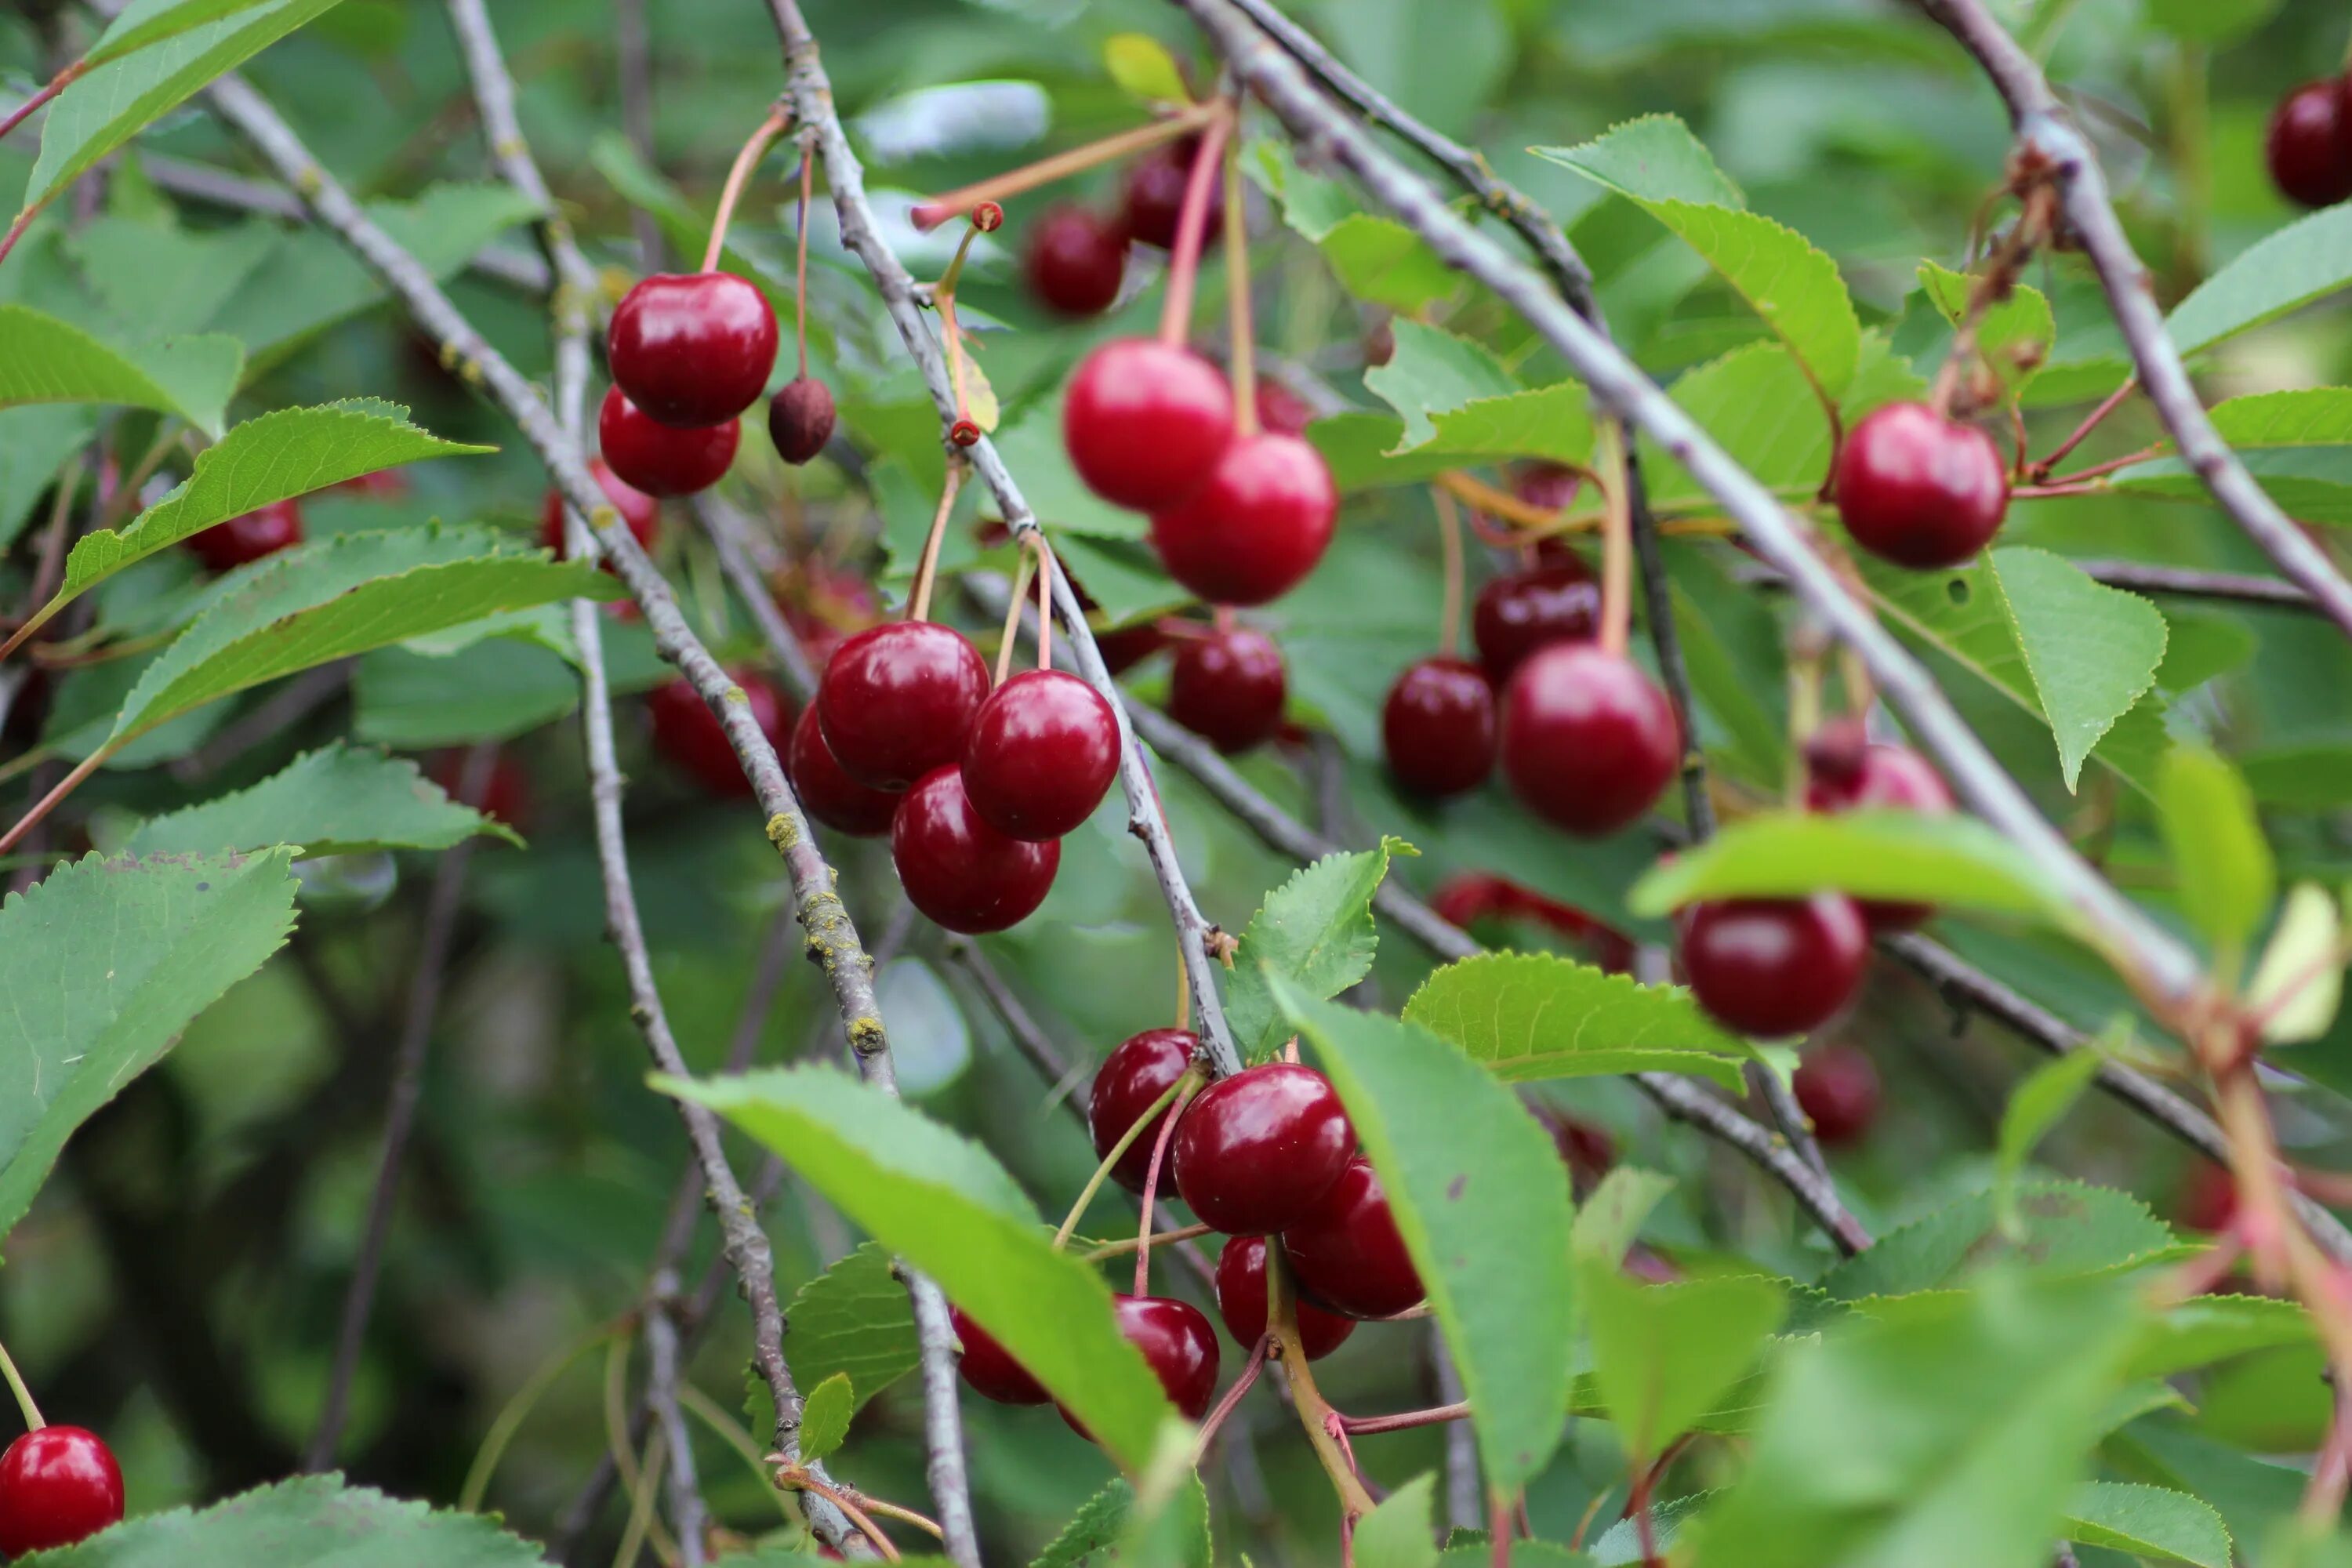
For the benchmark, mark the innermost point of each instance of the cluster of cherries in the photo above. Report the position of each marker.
(1076, 258)
(2309, 146)
(58, 1485)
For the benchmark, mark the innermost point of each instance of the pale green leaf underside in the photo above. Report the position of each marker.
(45, 360)
(2091, 650)
(335, 801)
(1527, 1016)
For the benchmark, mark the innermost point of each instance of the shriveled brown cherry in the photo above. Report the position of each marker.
(662, 459)
(1774, 966)
(1348, 1253)
(1837, 1088)
(1254, 1151)
(1228, 686)
(1588, 741)
(266, 530)
(1257, 528)
(1145, 422)
(827, 794)
(1043, 753)
(799, 418)
(692, 349)
(1437, 727)
(1241, 1301)
(897, 700)
(990, 1368)
(1075, 261)
(960, 872)
(1132, 1079)
(1920, 489)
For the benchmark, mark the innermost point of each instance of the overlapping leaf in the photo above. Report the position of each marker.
(45, 360)
(2155, 1524)
(853, 1319)
(1525, 1016)
(312, 1521)
(2068, 1228)
(1314, 932)
(333, 801)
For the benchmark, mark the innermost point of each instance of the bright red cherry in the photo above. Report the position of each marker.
(1151, 203)
(1347, 1252)
(693, 350)
(1145, 422)
(1228, 686)
(897, 700)
(1132, 1079)
(639, 511)
(1550, 485)
(661, 459)
(1518, 615)
(1241, 1301)
(1075, 261)
(1282, 410)
(690, 735)
(1438, 727)
(1044, 749)
(1845, 771)
(990, 1369)
(2309, 143)
(1255, 1151)
(1919, 489)
(1775, 966)
(1588, 741)
(827, 794)
(1837, 1088)
(57, 1486)
(225, 546)
(958, 870)
(1257, 528)
(1178, 1342)
(800, 420)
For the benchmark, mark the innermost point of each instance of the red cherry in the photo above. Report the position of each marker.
(1282, 410)
(1132, 1079)
(1347, 1252)
(1146, 421)
(660, 460)
(639, 511)
(225, 546)
(827, 794)
(2309, 143)
(1550, 485)
(958, 870)
(1075, 261)
(690, 735)
(2207, 1198)
(1241, 1301)
(1438, 727)
(1257, 528)
(1128, 647)
(990, 1369)
(1152, 203)
(1518, 615)
(1919, 489)
(57, 1486)
(378, 484)
(1588, 741)
(1044, 751)
(1844, 773)
(1178, 1342)
(1228, 686)
(1610, 950)
(799, 418)
(1473, 895)
(1255, 1151)
(693, 350)
(897, 700)
(507, 797)
(1775, 966)
(1837, 1088)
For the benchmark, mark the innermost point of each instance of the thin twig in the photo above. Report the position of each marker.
(687, 1517)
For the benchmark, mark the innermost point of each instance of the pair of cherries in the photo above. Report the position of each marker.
(2309, 143)
(1077, 259)
(58, 1485)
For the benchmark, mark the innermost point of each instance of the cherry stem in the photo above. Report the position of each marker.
(1315, 1412)
(929, 215)
(1449, 541)
(33, 1421)
(1183, 1090)
(800, 262)
(57, 85)
(1192, 227)
(1367, 1425)
(738, 176)
(1014, 606)
(1616, 548)
(1498, 1528)
(943, 300)
(1094, 1182)
(796, 1477)
(17, 229)
(1242, 1383)
(918, 606)
(1242, 367)
(65, 786)
(1127, 1244)
(2058, 454)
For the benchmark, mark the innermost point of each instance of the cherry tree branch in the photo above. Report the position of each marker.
(2189, 581)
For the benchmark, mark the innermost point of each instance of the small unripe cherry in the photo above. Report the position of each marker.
(799, 418)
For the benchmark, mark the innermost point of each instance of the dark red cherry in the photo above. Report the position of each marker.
(1152, 201)
(1438, 727)
(1132, 1079)
(1837, 1088)
(958, 870)
(799, 418)
(1228, 686)
(1282, 410)
(57, 1486)
(507, 797)
(690, 735)
(1588, 741)
(1503, 900)
(1347, 1252)
(1255, 1151)
(1257, 528)
(639, 511)
(1846, 772)
(1123, 649)
(1919, 489)
(1145, 422)
(1550, 485)
(827, 794)
(225, 546)
(897, 700)
(1075, 261)
(1585, 1147)
(377, 484)
(1472, 896)
(2207, 1199)
(990, 1369)
(1518, 615)
(1774, 966)
(2309, 143)
(693, 350)
(1044, 751)
(660, 460)
(1241, 1301)
(1179, 1345)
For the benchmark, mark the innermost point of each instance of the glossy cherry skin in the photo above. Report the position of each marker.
(1151, 203)
(1437, 728)
(897, 700)
(1145, 422)
(690, 735)
(1837, 1088)
(1075, 261)
(640, 512)
(57, 1486)
(1178, 1342)
(800, 418)
(1132, 1079)
(959, 871)
(694, 348)
(1919, 489)
(827, 794)
(225, 546)
(1043, 753)
(1517, 616)
(1346, 1253)
(660, 460)
(1774, 966)
(1254, 1151)
(1241, 1301)
(1229, 687)
(1845, 773)
(990, 1369)
(1257, 528)
(2309, 143)
(1281, 410)
(1588, 741)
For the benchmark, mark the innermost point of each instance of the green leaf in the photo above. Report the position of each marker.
(35, 444)
(335, 801)
(1033, 448)
(2309, 416)
(854, 1321)
(1531, 1016)
(146, 22)
(1481, 1199)
(2207, 1329)
(2219, 854)
(1314, 932)
(2069, 1228)
(2156, 1523)
(1087, 1541)
(312, 1521)
(2036, 1106)
(1653, 158)
(2312, 483)
(45, 360)
(1665, 1353)
(491, 691)
(1379, 260)
(2307, 259)
(103, 963)
(1610, 1217)
(1143, 67)
(2091, 650)
(2299, 984)
(159, 280)
(1312, 205)
(1401, 1533)
(1620, 1545)
(1168, 1525)
(2014, 334)
(1435, 371)
(947, 1207)
(824, 1416)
